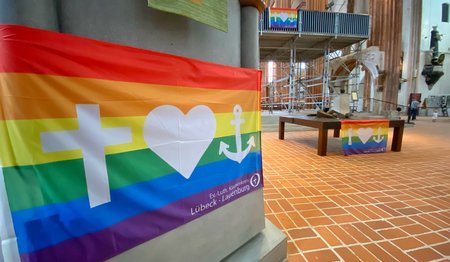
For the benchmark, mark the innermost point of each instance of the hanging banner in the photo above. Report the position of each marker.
(104, 147)
(211, 12)
(283, 18)
(364, 136)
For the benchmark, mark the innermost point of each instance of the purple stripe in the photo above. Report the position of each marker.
(371, 150)
(104, 244)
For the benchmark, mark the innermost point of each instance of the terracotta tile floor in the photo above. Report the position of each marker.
(388, 207)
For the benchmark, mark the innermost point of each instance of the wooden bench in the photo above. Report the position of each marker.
(324, 124)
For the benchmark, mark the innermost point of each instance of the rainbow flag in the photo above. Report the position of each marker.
(283, 18)
(364, 136)
(104, 147)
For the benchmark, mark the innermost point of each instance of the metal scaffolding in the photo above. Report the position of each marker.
(318, 35)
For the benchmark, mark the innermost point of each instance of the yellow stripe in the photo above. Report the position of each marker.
(20, 139)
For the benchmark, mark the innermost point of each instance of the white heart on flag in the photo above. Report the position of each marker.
(365, 134)
(284, 16)
(179, 139)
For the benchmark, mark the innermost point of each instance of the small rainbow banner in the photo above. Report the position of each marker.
(283, 18)
(364, 136)
(104, 147)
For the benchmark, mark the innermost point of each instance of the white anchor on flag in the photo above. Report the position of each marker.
(239, 155)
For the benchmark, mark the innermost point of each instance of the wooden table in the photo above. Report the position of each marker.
(324, 124)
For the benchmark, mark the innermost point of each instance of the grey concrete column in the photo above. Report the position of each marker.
(249, 37)
(133, 23)
(35, 13)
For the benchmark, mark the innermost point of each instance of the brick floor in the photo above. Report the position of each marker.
(393, 206)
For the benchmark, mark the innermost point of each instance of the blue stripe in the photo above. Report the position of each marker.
(44, 226)
(360, 145)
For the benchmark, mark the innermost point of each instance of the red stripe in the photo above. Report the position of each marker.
(29, 50)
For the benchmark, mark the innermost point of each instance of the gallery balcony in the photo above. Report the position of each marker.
(309, 33)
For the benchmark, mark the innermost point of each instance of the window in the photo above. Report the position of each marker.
(445, 13)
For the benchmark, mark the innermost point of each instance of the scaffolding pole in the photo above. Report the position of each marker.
(298, 91)
(326, 78)
(291, 78)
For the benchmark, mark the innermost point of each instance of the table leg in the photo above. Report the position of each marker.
(281, 130)
(322, 142)
(336, 132)
(397, 139)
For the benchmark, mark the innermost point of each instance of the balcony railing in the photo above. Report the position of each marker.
(314, 23)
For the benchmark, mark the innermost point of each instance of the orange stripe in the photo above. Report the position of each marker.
(30, 96)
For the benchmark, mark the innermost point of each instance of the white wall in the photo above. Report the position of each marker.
(431, 16)
(406, 87)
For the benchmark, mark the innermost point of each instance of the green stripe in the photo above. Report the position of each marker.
(32, 186)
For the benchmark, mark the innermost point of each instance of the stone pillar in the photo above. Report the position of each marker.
(249, 33)
(249, 37)
(35, 13)
(386, 31)
(411, 34)
(270, 244)
(228, 229)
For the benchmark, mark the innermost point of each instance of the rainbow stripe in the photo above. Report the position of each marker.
(45, 75)
(364, 136)
(283, 18)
